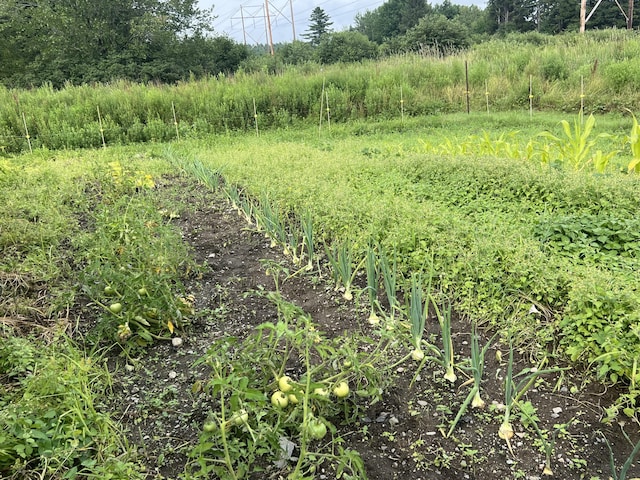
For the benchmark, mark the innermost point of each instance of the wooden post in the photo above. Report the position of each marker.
(26, 132)
(321, 107)
(486, 93)
(583, 15)
(328, 110)
(175, 120)
(255, 117)
(530, 96)
(104, 144)
(581, 99)
(466, 77)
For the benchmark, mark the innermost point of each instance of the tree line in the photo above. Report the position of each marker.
(84, 41)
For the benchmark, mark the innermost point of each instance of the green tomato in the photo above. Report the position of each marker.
(293, 400)
(240, 417)
(142, 292)
(115, 308)
(321, 392)
(109, 290)
(284, 384)
(279, 399)
(210, 427)
(317, 429)
(341, 389)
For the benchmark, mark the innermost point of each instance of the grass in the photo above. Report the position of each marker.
(72, 236)
(476, 214)
(488, 225)
(401, 88)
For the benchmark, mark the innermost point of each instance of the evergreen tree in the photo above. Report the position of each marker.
(319, 25)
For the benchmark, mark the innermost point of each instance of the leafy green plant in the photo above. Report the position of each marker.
(51, 423)
(634, 142)
(622, 474)
(261, 412)
(514, 391)
(576, 146)
(476, 367)
(132, 259)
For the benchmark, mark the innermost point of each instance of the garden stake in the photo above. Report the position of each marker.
(104, 144)
(175, 120)
(255, 117)
(24, 121)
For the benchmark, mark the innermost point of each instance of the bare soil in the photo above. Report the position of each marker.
(399, 438)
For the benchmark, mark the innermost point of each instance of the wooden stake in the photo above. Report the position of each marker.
(255, 117)
(104, 144)
(175, 120)
(328, 114)
(466, 77)
(486, 93)
(581, 99)
(26, 133)
(530, 96)
(321, 107)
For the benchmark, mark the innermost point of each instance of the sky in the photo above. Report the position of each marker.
(230, 12)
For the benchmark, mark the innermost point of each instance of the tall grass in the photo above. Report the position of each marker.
(67, 118)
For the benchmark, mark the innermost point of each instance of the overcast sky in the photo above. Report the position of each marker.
(341, 13)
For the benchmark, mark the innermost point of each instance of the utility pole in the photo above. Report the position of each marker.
(584, 18)
(293, 23)
(266, 6)
(244, 31)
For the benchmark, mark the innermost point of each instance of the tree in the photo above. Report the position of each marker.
(391, 19)
(80, 41)
(346, 47)
(511, 15)
(434, 31)
(295, 53)
(319, 25)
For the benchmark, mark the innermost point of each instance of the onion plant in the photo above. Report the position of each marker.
(444, 318)
(389, 276)
(477, 367)
(513, 392)
(372, 284)
(307, 232)
(417, 316)
(628, 462)
(342, 267)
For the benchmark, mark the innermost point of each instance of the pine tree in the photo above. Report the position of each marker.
(319, 25)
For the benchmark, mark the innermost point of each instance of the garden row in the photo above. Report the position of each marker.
(549, 257)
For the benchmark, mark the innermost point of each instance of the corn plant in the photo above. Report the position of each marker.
(575, 147)
(634, 141)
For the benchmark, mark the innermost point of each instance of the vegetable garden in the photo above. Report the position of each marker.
(429, 296)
